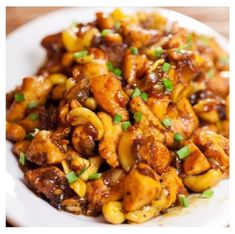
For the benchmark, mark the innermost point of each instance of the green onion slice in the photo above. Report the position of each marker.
(207, 193)
(80, 54)
(137, 116)
(184, 201)
(168, 85)
(126, 125)
(117, 25)
(166, 67)
(117, 72)
(134, 50)
(183, 152)
(178, 137)
(144, 96)
(32, 104)
(105, 32)
(167, 122)
(19, 97)
(158, 52)
(135, 93)
(117, 118)
(34, 116)
(71, 177)
(94, 176)
(22, 159)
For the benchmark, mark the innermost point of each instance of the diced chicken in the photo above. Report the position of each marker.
(49, 181)
(141, 187)
(43, 151)
(108, 92)
(108, 144)
(33, 89)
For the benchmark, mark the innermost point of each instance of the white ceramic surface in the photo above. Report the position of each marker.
(24, 57)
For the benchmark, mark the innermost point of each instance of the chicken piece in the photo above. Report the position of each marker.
(218, 85)
(43, 150)
(196, 162)
(33, 89)
(28, 124)
(134, 66)
(148, 120)
(151, 152)
(83, 139)
(95, 68)
(138, 37)
(110, 139)
(173, 185)
(215, 147)
(20, 147)
(15, 132)
(49, 181)
(107, 188)
(108, 92)
(158, 106)
(183, 118)
(141, 187)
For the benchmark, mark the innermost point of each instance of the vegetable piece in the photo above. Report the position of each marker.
(94, 176)
(183, 152)
(126, 125)
(137, 116)
(80, 54)
(19, 97)
(117, 118)
(178, 137)
(158, 52)
(117, 72)
(168, 85)
(166, 122)
(183, 200)
(71, 177)
(113, 213)
(136, 93)
(34, 116)
(134, 50)
(105, 32)
(79, 186)
(166, 67)
(117, 25)
(22, 159)
(144, 96)
(207, 193)
(32, 104)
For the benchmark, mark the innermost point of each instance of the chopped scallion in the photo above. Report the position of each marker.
(117, 25)
(144, 96)
(134, 50)
(105, 32)
(137, 116)
(183, 152)
(168, 85)
(94, 176)
(207, 193)
(80, 54)
(32, 104)
(166, 67)
(71, 177)
(19, 97)
(178, 137)
(158, 52)
(117, 72)
(184, 201)
(22, 159)
(136, 93)
(34, 116)
(167, 122)
(126, 125)
(117, 118)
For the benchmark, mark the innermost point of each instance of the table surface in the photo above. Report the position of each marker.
(215, 17)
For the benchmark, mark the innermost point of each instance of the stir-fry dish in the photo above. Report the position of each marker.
(127, 117)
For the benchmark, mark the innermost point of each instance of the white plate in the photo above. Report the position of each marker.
(24, 57)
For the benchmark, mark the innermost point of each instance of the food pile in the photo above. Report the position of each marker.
(128, 115)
